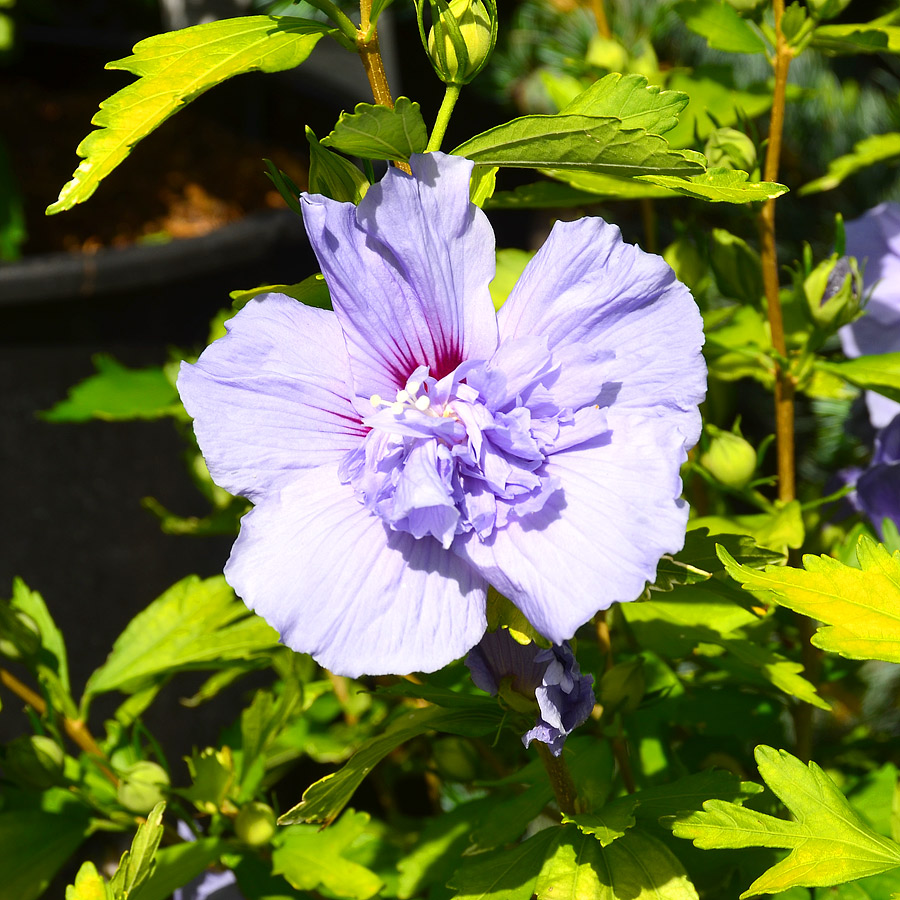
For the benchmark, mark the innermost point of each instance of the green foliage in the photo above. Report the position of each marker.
(879, 148)
(585, 143)
(828, 841)
(332, 175)
(12, 212)
(118, 394)
(174, 69)
(722, 27)
(719, 186)
(194, 624)
(377, 132)
(863, 38)
(859, 606)
(138, 863)
(879, 373)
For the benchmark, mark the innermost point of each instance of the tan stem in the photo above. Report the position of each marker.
(560, 779)
(74, 728)
(784, 385)
(603, 28)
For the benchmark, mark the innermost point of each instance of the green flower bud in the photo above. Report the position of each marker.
(827, 9)
(730, 459)
(832, 291)
(622, 687)
(728, 148)
(34, 762)
(22, 637)
(141, 786)
(456, 758)
(461, 40)
(255, 824)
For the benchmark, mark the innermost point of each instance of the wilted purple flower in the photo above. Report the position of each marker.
(874, 239)
(877, 488)
(552, 677)
(413, 446)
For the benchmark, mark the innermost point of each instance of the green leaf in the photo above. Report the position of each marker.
(332, 175)
(637, 866)
(548, 195)
(505, 874)
(117, 394)
(875, 149)
(312, 291)
(720, 24)
(137, 864)
(483, 184)
(510, 265)
(719, 186)
(829, 843)
(736, 266)
(860, 607)
(690, 792)
(37, 836)
(698, 560)
(89, 885)
(194, 624)
(506, 820)
(880, 373)
(593, 187)
(212, 778)
(379, 132)
(176, 866)
(579, 142)
(12, 210)
(863, 38)
(608, 823)
(311, 858)
(631, 99)
(778, 530)
(323, 800)
(174, 69)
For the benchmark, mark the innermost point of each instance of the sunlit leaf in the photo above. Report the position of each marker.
(719, 186)
(879, 372)
(379, 132)
(878, 148)
(137, 864)
(172, 70)
(829, 843)
(862, 38)
(720, 24)
(859, 606)
(89, 885)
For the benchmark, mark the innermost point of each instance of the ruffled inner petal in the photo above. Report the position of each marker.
(272, 397)
(337, 583)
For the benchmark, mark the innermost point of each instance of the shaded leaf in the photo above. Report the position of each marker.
(859, 606)
(332, 175)
(879, 372)
(323, 800)
(172, 70)
(117, 394)
(379, 132)
(720, 24)
(312, 291)
(691, 792)
(598, 186)
(875, 149)
(176, 866)
(579, 142)
(194, 624)
(863, 38)
(828, 841)
(609, 822)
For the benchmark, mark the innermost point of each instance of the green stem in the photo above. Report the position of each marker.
(346, 26)
(451, 95)
(560, 779)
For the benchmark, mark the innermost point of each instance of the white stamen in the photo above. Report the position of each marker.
(397, 408)
(376, 400)
(403, 397)
(422, 403)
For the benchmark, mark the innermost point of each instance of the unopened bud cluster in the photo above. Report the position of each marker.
(461, 38)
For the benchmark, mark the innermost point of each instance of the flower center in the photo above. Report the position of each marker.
(468, 452)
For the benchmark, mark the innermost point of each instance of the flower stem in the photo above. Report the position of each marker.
(560, 779)
(451, 95)
(74, 728)
(370, 53)
(784, 384)
(347, 28)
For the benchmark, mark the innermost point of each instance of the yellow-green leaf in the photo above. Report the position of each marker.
(860, 607)
(172, 70)
(829, 843)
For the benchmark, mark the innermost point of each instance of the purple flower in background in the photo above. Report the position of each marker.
(411, 447)
(552, 677)
(877, 487)
(874, 239)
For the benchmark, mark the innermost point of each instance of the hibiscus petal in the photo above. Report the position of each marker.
(624, 330)
(408, 272)
(339, 584)
(598, 540)
(271, 398)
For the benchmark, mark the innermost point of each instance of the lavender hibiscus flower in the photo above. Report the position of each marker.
(411, 447)
(874, 238)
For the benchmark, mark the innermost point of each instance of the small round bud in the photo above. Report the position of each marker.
(35, 762)
(833, 290)
(464, 54)
(730, 459)
(141, 786)
(24, 636)
(728, 148)
(255, 824)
